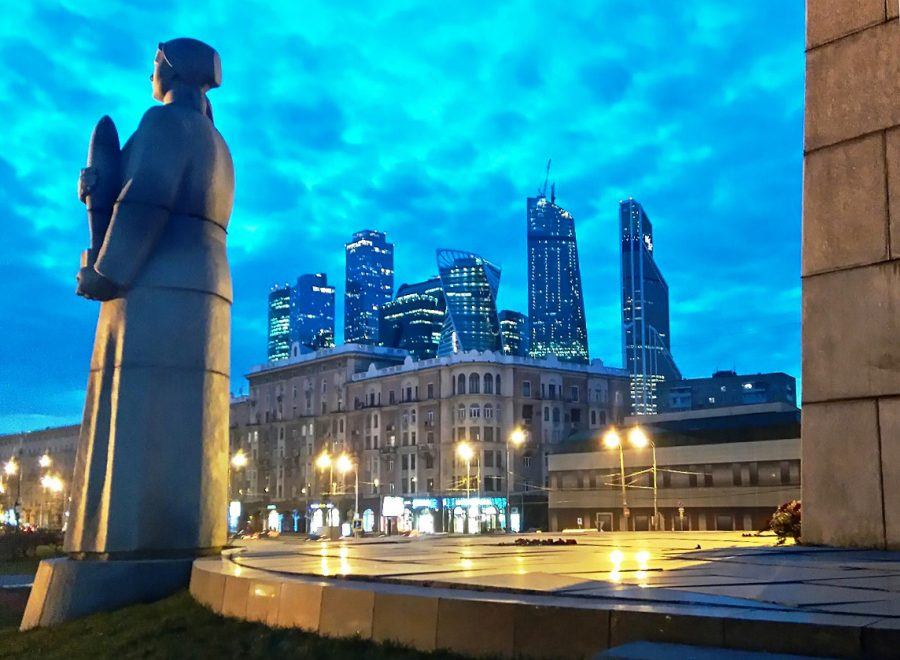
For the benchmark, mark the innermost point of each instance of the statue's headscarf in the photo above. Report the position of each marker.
(194, 63)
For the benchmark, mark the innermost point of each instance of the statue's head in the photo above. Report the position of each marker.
(187, 63)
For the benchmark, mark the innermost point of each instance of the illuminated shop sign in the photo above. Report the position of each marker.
(498, 502)
(423, 503)
(391, 506)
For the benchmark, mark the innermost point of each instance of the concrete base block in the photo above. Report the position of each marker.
(66, 589)
(347, 613)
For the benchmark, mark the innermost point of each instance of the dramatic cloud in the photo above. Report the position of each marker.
(432, 122)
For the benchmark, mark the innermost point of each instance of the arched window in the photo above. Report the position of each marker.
(497, 384)
(461, 384)
(474, 411)
(375, 421)
(488, 411)
(473, 383)
(488, 384)
(405, 420)
(556, 415)
(461, 413)
(593, 418)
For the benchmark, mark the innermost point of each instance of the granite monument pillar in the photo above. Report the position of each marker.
(851, 275)
(150, 485)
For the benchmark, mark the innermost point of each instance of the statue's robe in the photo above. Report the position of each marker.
(152, 464)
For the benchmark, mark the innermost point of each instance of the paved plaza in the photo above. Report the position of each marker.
(697, 570)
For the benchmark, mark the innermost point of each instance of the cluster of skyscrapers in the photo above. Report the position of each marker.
(456, 310)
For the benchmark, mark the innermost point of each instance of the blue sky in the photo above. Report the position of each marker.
(431, 122)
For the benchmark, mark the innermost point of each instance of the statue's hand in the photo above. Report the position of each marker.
(93, 286)
(86, 182)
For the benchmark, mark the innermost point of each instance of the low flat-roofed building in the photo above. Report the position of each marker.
(726, 389)
(722, 469)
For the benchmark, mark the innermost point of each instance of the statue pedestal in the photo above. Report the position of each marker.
(66, 589)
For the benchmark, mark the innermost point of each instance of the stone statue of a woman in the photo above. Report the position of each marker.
(151, 472)
(149, 491)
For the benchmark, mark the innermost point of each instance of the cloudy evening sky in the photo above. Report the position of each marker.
(430, 121)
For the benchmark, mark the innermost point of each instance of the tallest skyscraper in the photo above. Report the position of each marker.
(555, 300)
(645, 311)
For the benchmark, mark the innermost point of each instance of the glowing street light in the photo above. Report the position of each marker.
(344, 464)
(323, 461)
(516, 439)
(239, 460)
(52, 483)
(44, 461)
(611, 439)
(11, 467)
(637, 438)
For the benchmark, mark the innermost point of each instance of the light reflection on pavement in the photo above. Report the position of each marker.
(692, 568)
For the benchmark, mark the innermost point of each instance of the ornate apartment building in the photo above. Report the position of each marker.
(401, 423)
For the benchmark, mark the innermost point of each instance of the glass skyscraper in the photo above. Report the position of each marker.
(514, 332)
(370, 284)
(413, 320)
(645, 312)
(555, 300)
(470, 286)
(279, 345)
(312, 314)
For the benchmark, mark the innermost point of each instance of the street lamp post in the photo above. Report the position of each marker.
(612, 440)
(638, 439)
(44, 462)
(11, 468)
(464, 451)
(344, 465)
(238, 462)
(516, 438)
(52, 483)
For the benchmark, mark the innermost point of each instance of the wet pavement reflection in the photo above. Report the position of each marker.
(691, 568)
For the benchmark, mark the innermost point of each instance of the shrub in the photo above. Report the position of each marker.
(786, 521)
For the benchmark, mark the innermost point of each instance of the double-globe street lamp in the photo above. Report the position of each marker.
(54, 484)
(344, 463)
(516, 439)
(638, 439)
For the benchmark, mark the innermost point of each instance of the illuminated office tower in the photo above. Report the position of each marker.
(413, 320)
(555, 300)
(370, 284)
(279, 346)
(312, 314)
(645, 312)
(514, 333)
(470, 286)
